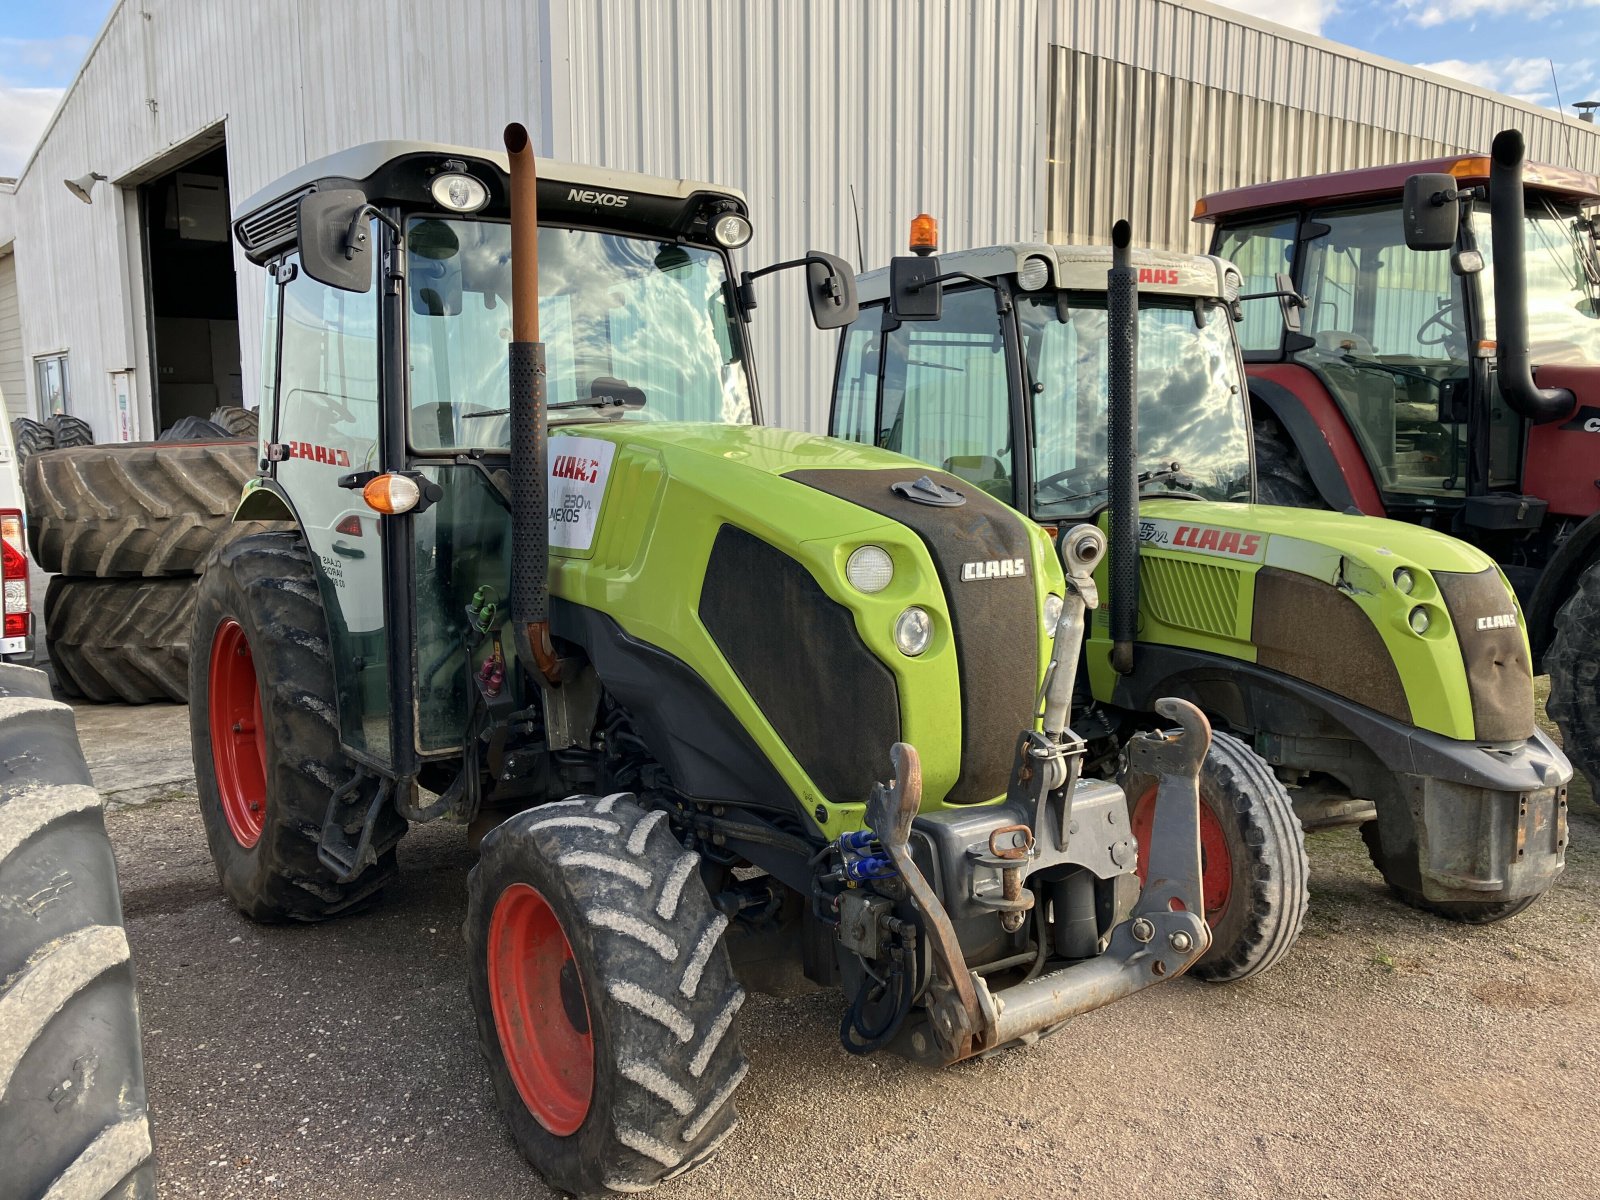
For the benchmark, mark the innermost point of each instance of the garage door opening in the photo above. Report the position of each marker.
(193, 303)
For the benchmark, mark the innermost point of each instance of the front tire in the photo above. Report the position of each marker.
(1255, 875)
(605, 1000)
(1573, 661)
(1281, 475)
(263, 716)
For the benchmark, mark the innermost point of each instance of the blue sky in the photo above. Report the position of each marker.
(1504, 45)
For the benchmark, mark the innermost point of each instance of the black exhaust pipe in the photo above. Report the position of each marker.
(1122, 415)
(530, 529)
(1507, 225)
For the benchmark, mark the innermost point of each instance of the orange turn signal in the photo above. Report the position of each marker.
(1470, 168)
(924, 234)
(390, 494)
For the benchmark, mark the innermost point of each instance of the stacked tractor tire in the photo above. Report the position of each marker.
(126, 529)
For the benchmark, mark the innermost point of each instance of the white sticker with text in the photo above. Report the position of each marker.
(579, 467)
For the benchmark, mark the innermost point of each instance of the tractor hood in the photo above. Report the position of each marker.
(1407, 621)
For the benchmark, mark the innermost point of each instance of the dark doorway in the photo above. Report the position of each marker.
(194, 308)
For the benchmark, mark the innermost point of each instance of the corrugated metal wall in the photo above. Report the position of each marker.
(13, 378)
(939, 105)
(1153, 105)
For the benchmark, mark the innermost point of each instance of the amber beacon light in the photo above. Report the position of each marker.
(924, 234)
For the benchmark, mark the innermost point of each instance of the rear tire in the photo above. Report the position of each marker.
(73, 1118)
(68, 431)
(1281, 475)
(30, 437)
(1256, 876)
(239, 422)
(1468, 912)
(274, 710)
(120, 640)
(1573, 661)
(126, 511)
(195, 429)
(631, 1059)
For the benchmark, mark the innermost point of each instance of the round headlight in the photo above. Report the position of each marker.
(869, 569)
(1034, 273)
(731, 230)
(1053, 605)
(913, 631)
(1404, 580)
(458, 192)
(1418, 620)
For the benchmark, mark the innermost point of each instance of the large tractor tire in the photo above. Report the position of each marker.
(1255, 874)
(239, 422)
(73, 1117)
(605, 1000)
(1468, 912)
(120, 640)
(1573, 660)
(194, 429)
(68, 431)
(264, 720)
(125, 511)
(31, 437)
(1281, 475)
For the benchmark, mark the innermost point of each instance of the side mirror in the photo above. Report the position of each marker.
(334, 247)
(1290, 302)
(1430, 213)
(914, 293)
(831, 288)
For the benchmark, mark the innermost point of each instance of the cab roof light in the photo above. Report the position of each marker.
(1475, 167)
(924, 234)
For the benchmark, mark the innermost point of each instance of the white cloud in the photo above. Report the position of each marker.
(24, 112)
(29, 58)
(1429, 13)
(1309, 15)
(1525, 78)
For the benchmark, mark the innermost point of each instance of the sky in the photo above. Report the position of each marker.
(1503, 45)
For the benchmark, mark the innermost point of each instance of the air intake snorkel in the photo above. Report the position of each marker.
(1122, 415)
(1507, 224)
(530, 531)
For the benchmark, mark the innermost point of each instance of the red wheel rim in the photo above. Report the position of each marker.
(1216, 863)
(238, 743)
(541, 1014)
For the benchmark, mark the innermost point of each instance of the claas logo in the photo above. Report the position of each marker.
(322, 454)
(1223, 541)
(1166, 275)
(575, 467)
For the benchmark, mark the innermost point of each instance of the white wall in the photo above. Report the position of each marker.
(937, 106)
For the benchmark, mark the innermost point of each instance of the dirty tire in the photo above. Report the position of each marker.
(73, 1116)
(1468, 912)
(194, 429)
(31, 437)
(651, 979)
(239, 422)
(264, 582)
(1573, 661)
(68, 431)
(1281, 475)
(134, 510)
(120, 640)
(1269, 885)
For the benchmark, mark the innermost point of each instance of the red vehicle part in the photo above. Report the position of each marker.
(1563, 457)
(14, 565)
(1336, 431)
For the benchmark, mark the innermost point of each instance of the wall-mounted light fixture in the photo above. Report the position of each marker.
(81, 186)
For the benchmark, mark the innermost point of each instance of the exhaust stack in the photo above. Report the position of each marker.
(1122, 414)
(530, 531)
(1507, 225)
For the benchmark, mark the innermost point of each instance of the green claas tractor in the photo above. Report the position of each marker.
(1382, 669)
(662, 662)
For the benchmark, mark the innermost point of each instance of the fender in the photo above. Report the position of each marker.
(1578, 551)
(1333, 457)
(264, 500)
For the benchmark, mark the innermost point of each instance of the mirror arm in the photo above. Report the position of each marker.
(1002, 298)
(747, 291)
(1293, 297)
(356, 234)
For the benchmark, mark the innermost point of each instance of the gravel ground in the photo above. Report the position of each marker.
(1389, 1055)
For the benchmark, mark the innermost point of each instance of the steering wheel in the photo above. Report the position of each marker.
(1445, 320)
(1059, 479)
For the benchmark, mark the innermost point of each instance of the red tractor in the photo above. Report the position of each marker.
(1434, 357)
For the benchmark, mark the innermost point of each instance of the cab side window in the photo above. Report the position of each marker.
(855, 391)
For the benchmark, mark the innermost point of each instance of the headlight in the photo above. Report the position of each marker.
(1034, 273)
(913, 631)
(1404, 580)
(458, 192)
(869, 569)
(731, 230)
(1419, 620)
(1232, 285)
(1053, 605)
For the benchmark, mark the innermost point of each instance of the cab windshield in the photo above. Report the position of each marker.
(1563, 284)
(1191, 406)
(635, 329)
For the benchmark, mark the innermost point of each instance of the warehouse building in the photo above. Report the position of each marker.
(840, 120)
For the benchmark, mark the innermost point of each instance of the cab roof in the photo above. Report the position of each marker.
(398, 171)
(1560, 182)
(1075, 268)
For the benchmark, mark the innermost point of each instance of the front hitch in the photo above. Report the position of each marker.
(1163, 936)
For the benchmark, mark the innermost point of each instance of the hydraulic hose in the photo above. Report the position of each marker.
(1122, 413)
(1508, 226)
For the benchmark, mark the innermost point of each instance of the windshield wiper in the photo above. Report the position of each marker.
(1373, 364)
(1160, 475)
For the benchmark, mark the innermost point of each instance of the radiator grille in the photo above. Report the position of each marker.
(1201, 597)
